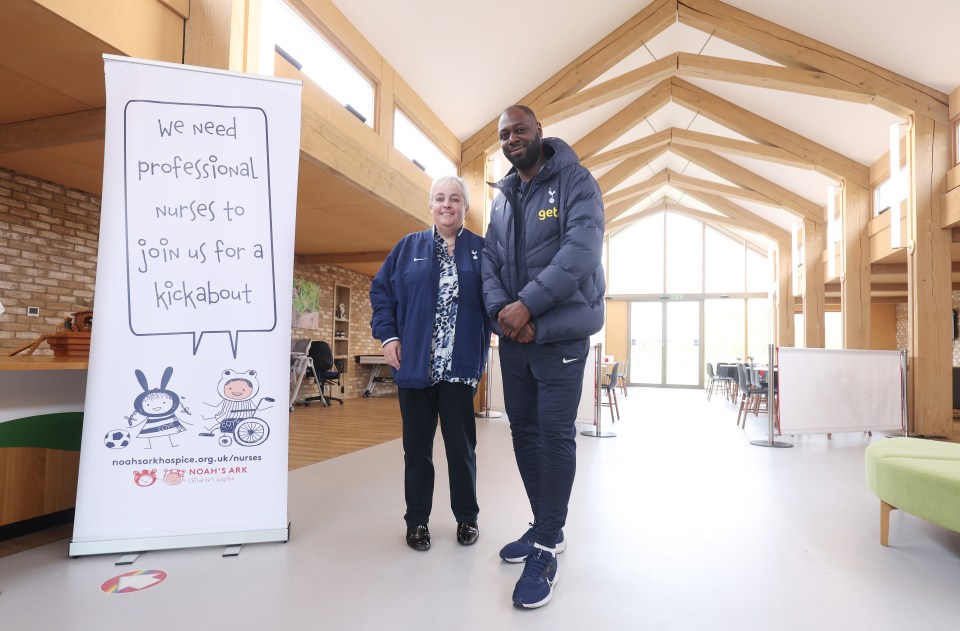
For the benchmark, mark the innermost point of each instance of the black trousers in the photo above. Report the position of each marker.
(541, 390)
(419, 409)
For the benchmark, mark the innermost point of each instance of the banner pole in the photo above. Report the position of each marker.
(598, 391)
(771, 400)
(487, 412)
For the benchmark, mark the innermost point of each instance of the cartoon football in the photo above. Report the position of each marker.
(117, 439)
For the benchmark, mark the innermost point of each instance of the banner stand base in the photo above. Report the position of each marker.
(128, 559)
(140, 545)
(595, 434)
(771, 443)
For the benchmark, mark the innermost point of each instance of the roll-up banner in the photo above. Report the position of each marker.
(185, 419)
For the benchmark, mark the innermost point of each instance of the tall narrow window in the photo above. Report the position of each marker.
(883, 194)
(285, 32)
(413, 143)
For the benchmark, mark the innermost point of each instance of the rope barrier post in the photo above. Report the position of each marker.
(598, 391)
(487, 412)
(771, 391)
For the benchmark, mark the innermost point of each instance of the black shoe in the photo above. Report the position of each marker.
(467, 533)
(418, 538)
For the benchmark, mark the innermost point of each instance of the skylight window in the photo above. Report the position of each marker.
(284, 31)
(413, 143)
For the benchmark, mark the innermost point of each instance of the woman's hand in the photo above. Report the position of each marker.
(391, 351)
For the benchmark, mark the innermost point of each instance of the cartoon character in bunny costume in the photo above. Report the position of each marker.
(156, 410)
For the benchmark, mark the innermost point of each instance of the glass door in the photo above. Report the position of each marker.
(646, 343)
(682, 350)
(665, 343)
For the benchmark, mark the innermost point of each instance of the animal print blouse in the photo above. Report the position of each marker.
(445, 321)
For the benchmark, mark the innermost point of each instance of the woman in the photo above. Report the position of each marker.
(428, 314)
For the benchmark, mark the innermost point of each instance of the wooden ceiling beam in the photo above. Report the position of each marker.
(624, 120)
(598, 160)
(746, 123)
(583, 70)
(759, 75)
(626, 169)
(735, 211)
(637, 190)
(53, 131)
(743, 148)
(726, 190)
(340, 258)
(901, 268)
(894, 92)
(746, 178)
(621, 205)
(627, 83)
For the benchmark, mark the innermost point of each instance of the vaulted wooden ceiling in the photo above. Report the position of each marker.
(692, 106)
(658, 134)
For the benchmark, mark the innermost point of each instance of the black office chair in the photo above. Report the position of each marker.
(326, 370)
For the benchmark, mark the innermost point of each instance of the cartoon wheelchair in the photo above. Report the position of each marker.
(248, 431)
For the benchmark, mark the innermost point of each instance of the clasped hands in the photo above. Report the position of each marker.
(514, 321)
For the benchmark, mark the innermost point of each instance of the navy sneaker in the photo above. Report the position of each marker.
(535, 587)
(518, 551)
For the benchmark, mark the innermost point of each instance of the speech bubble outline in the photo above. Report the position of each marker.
(197, 333)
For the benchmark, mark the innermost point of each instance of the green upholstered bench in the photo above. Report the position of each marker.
(920, 477)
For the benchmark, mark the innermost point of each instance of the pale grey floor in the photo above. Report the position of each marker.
(677, 523)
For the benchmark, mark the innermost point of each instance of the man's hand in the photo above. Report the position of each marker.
(527, 334)
(513, 318)
(392, 352)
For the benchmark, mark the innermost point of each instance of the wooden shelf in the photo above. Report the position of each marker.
(43, 362)
(341, 345)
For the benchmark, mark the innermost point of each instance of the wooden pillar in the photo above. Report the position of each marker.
(786, 302)
(215, 35)
(929, 330)
(855, 266)
(475, 173)
(813, 285)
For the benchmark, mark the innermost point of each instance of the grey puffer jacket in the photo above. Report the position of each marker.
(558, 275)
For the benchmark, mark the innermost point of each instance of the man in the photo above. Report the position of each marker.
(543, 289)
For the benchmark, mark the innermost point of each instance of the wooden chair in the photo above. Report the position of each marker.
(609, 386)
(622, 377)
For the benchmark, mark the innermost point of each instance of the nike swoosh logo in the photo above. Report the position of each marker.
(416, 259)
(567, 361)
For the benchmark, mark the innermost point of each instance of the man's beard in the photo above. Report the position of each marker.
(529, 157)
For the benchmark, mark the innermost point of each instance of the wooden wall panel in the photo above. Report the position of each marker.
(617, 341)
(35, 482)
(883, 327)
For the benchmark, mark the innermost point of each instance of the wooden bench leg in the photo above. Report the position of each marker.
(885, 522)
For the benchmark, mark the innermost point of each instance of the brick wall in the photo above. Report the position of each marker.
(902, 328)
(48, 256)
(48, 259)
(361, 339)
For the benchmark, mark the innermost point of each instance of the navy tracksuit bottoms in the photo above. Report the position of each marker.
(541, 389)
